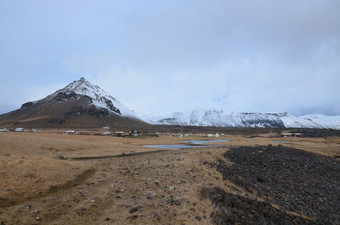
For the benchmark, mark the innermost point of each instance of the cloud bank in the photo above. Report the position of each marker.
(164, 56)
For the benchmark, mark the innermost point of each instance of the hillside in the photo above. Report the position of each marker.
(79, 104)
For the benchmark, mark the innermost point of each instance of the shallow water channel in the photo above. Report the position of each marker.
(194, 144)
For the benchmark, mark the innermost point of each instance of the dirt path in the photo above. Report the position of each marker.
(116, 156)
(158, 188)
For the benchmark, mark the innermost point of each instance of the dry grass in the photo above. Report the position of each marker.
(50, 143)
(26, 176)
(28, 169)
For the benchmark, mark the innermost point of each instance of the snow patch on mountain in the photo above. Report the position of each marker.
(221, 118)
(332, 122)
(98, 96)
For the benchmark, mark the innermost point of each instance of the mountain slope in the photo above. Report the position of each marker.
(79, 104)
(332, 122)
(99, 97)
(220, 118)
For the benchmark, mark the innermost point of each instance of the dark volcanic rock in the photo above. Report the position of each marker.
(156, 217)
(60, 157)
(98, 112)
(170, 201)
(198, 218)
(234, 209)
(64, 96)
(295, 180)
(109, 104)
(177, 202)
(135, 209)
(26, 105)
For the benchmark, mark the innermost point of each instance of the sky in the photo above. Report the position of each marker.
(163, 56)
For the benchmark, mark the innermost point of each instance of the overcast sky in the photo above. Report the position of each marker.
(165, 56)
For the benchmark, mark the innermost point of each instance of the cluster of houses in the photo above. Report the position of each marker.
(136, 133)
(287, 134)
(172, 135)
(133, 133)
(186, 134)
(20, 129)
(213, 135)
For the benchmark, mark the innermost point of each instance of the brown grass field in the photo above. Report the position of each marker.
(37, 188)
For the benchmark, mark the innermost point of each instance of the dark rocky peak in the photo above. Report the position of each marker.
(64, 96)
(26, 105)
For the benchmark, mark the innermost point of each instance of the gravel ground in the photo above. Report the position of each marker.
(294, 180)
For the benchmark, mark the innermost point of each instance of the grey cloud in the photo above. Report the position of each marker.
(238, 55)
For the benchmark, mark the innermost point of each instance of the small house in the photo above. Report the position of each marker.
(291, 134)
(286, 134)
(106, 133)
(19, 129)
(4, 130)
(134, 133)
(71, 132)
(120, 134)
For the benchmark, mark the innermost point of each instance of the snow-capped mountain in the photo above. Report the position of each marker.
(79, 104)
(220, 118)
(99, 98)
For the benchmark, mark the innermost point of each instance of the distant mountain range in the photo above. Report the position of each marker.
(220, 118)
(82, 104)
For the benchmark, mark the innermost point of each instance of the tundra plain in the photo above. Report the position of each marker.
(115, 180)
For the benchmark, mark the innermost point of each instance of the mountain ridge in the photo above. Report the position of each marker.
(98, 96)
(67, 106)
(82, 104)
(221, 118)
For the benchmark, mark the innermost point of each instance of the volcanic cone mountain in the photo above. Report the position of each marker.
(79, 104)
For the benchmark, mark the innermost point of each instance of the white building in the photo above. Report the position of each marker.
(19, 129)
